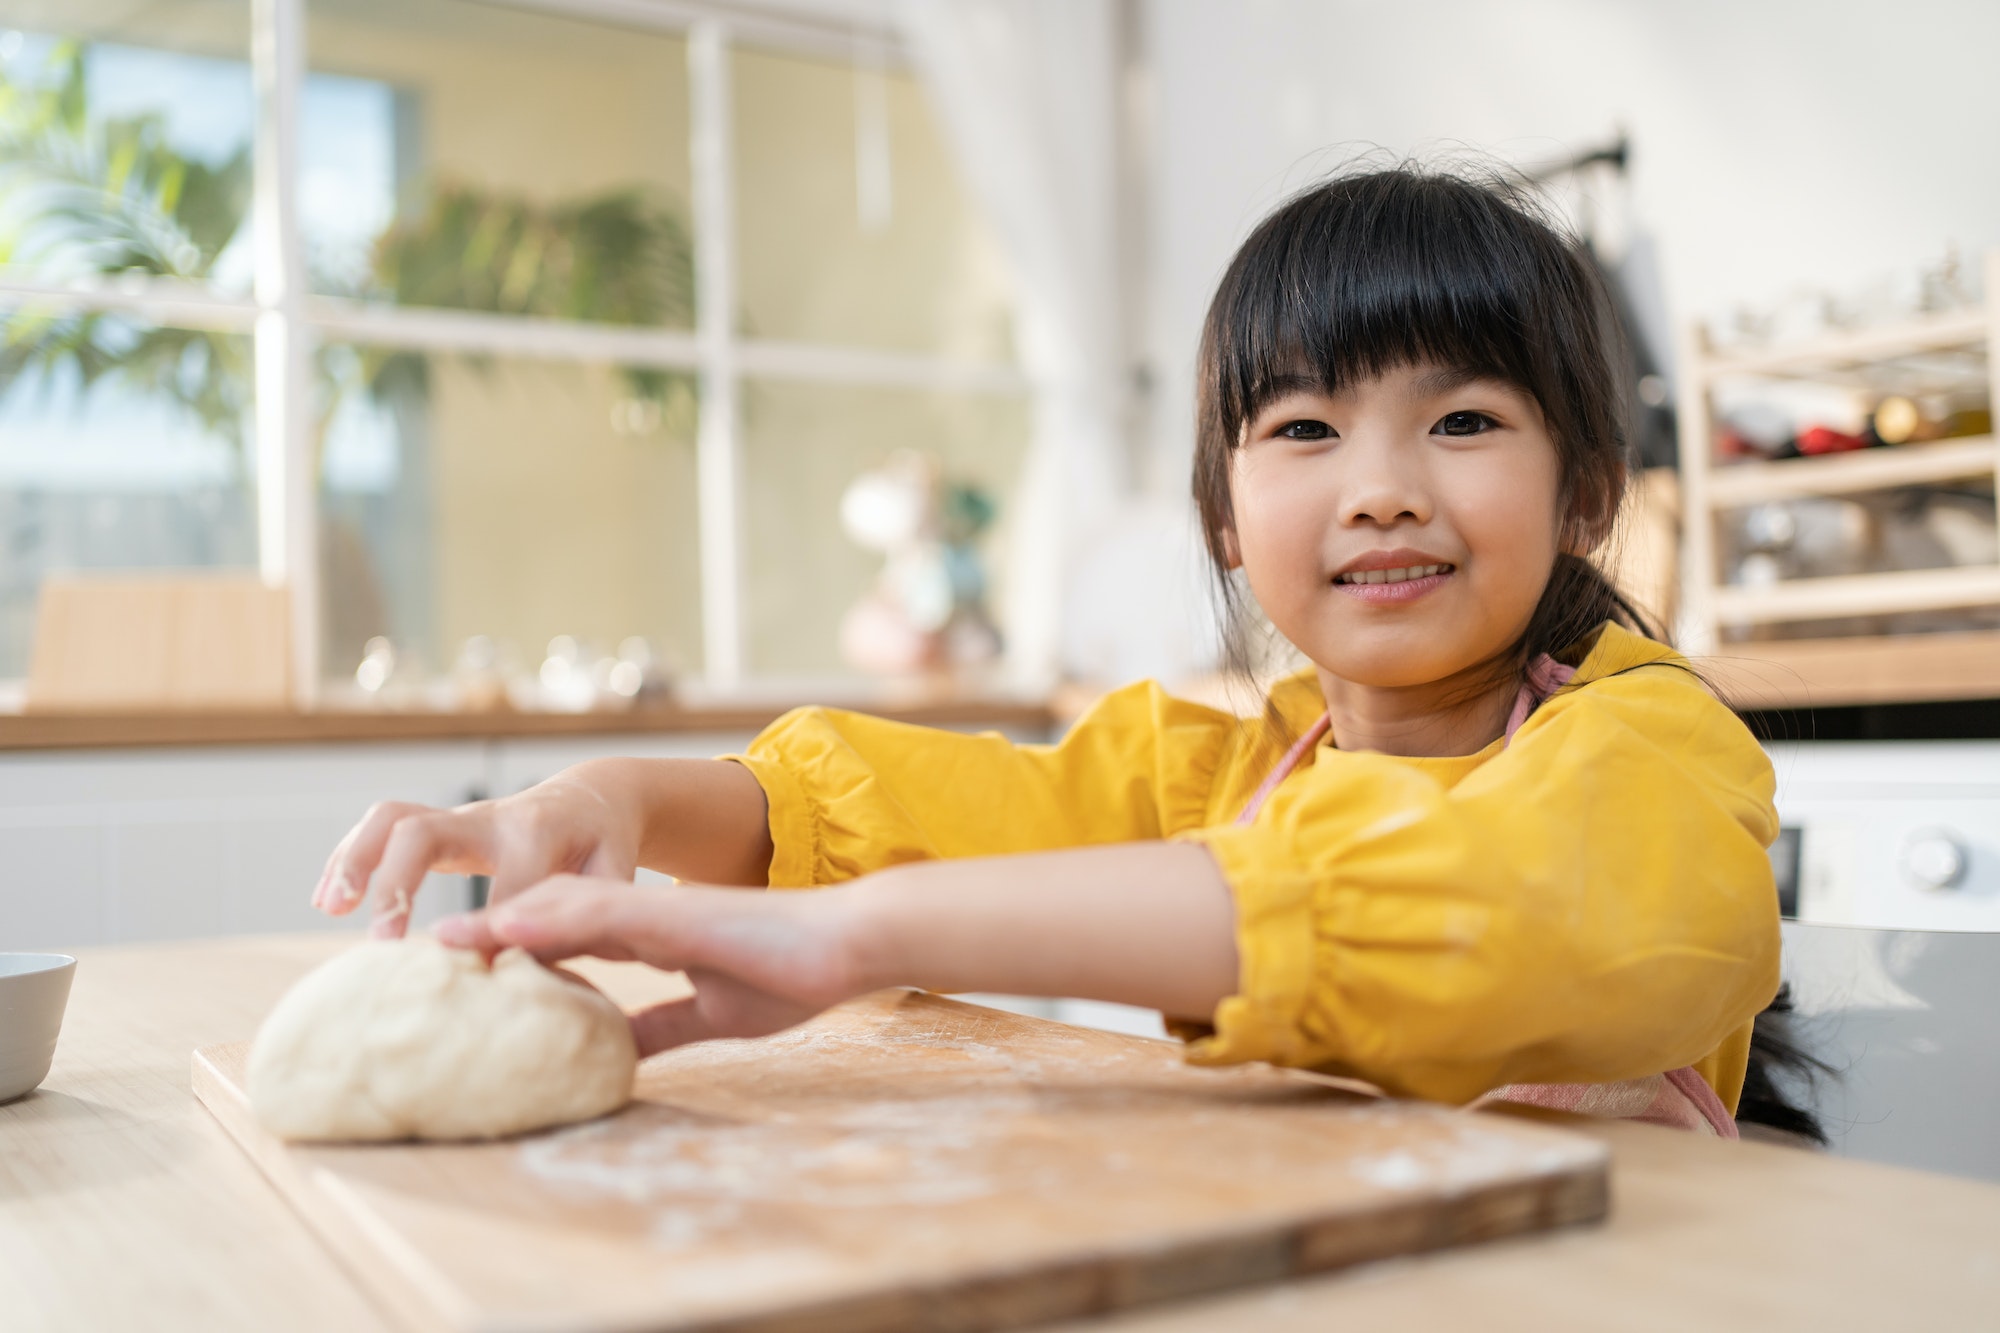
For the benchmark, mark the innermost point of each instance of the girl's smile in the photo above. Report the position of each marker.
(1388, 578)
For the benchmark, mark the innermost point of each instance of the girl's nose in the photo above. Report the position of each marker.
(1383, 485)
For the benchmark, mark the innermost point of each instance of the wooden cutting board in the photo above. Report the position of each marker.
(910, 1162)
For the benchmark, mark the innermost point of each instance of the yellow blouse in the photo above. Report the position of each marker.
(1592, 902)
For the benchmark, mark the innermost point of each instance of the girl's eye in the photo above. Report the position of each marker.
(1306, 430)
(1464, 423)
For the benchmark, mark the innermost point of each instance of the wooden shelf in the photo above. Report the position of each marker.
(1860, 595)
(1832, 673)
(1932, 333)
(1843, 474)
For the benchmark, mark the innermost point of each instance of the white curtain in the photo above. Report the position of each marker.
(1027, 93)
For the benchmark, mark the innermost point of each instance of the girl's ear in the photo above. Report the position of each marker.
(1589, 526)
(1232, 554)
(1580, 538)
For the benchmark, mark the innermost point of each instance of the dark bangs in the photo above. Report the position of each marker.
(1368, 273)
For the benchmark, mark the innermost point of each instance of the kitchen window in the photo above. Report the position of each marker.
(511, 320)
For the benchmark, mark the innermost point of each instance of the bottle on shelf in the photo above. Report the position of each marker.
(1898, 419)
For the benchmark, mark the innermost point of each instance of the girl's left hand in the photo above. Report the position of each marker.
(759, 962)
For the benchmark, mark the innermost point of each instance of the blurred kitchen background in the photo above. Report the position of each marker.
(406, 398)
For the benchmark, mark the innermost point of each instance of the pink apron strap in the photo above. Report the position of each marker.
(1299, 750)
(1545, 677)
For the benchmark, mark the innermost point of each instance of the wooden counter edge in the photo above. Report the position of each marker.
(1838, 673)
(77, 731)
(1778, 674)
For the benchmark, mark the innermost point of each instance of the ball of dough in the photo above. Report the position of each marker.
(409, 1039)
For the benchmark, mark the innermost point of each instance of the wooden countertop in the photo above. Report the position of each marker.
(69, 731)
(123, 1205)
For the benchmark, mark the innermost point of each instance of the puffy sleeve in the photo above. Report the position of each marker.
(1594, 903)
(850, 794)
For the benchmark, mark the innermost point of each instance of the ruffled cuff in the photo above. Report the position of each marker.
(1275, 945)
(796, 861)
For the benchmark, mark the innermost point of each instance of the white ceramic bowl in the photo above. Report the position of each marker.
(34, 987)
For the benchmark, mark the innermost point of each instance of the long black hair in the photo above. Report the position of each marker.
(1374, 270)
(1366, 272)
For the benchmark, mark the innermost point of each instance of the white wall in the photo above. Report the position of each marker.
(1777, 144)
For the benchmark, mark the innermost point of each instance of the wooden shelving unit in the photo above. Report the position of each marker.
(1825, 672)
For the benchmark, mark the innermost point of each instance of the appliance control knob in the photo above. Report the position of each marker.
(1934, 859)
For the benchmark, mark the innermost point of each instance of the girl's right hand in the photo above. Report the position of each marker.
(566, 825)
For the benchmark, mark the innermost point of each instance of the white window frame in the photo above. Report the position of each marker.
(286, 319)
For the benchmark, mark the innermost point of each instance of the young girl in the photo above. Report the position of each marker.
(1493, 839)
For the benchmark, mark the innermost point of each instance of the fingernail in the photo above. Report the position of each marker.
(347, 890)
(457, 929)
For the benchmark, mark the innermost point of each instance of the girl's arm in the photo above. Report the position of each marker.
(851, 794)
(700, 819)
(1149, 924)
(845, 794)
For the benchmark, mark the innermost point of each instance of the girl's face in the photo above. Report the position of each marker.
(1398, 532)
